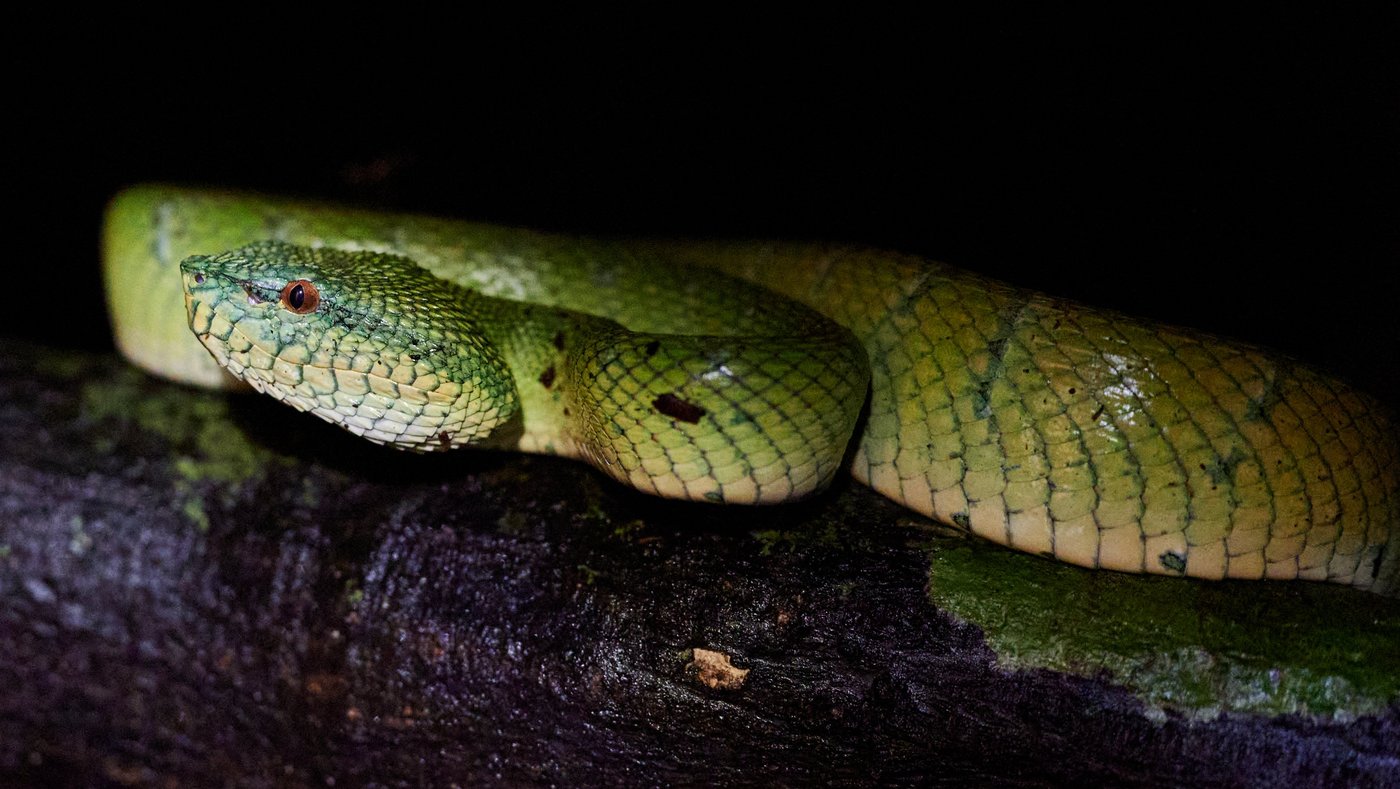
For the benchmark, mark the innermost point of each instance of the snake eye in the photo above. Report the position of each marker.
(300, 296)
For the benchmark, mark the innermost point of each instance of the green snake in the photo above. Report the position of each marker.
(752, 373)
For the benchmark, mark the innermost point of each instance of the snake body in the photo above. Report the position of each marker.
(739, 373)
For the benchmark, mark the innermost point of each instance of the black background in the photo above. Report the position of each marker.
(1240, 174)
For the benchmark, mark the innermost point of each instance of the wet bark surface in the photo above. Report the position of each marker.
(208, 589)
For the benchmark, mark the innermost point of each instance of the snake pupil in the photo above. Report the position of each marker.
(300, 296)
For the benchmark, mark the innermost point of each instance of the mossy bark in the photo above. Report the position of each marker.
(209, 588)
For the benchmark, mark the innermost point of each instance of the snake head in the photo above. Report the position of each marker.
(369, 341)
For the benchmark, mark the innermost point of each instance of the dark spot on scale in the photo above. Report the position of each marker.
(1072, 390)
(1171, 560)
(997, 349)
(547, 377)
(1097, 413)
(415, 357)
(1222, 469)
(651, 348)
(1261, 407)
(962, 520)
(676, 408)
(445, 438)
(566, 410)
(559, 341)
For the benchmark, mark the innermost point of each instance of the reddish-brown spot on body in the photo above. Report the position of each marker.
(559, 340)
(676, 408)
(652, 347)
(547, 377)
(445, 438)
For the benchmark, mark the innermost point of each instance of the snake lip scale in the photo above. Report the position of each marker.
(739, 373)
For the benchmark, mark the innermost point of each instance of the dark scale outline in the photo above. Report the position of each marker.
(1008, 318)
(1088, 456)
(1204, 344)
(1026, 311)
(887, 320)
(1283, 369)
(1331, 481)
(1349, 462)
(1200, 343)
(1112, 324)
(1094, 459)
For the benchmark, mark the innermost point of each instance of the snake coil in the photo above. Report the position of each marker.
(739, 372)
